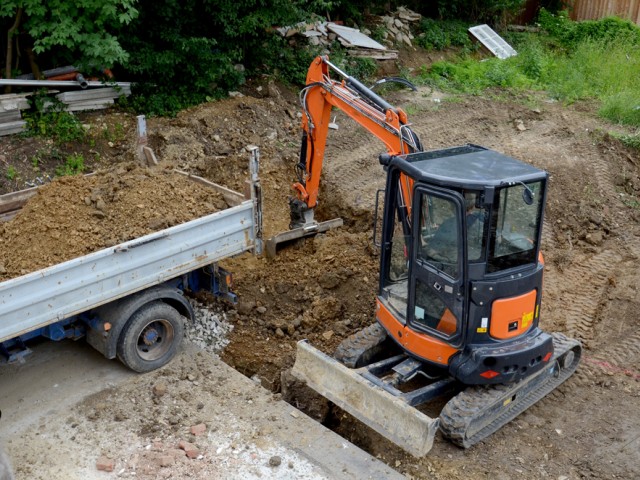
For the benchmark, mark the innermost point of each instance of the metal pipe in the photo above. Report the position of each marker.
(58, 83)
(81, 80)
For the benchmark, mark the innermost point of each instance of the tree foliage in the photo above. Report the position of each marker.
(81, 31)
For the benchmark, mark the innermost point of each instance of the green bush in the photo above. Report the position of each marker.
(49, 119)
(73, 165)
(570, 33)
(439, 35)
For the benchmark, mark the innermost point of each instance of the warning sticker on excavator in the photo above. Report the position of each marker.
(527, 318)
(484, 323)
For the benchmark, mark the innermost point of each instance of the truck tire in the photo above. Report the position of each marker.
(151, 337)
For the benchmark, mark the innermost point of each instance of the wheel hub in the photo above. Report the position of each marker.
(150, 336)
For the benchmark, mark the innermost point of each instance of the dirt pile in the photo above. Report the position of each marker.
(74, 216)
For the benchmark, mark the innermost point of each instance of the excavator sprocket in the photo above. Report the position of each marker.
(477, 412)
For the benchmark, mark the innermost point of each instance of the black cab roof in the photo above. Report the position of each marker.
(466, 167)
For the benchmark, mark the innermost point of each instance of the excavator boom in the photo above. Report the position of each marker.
(384, 121)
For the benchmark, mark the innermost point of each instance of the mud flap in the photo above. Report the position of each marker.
(388, 415)
(289, 236)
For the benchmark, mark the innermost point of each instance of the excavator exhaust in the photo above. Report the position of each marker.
(357, 392)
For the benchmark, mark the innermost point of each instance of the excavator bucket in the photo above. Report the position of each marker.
(283, 238)
(388, 415)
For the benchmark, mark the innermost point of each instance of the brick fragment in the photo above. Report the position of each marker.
(105, 464)
(199, 429)
(189, 449)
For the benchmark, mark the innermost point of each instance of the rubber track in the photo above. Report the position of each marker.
(469, 406)
(354, 347)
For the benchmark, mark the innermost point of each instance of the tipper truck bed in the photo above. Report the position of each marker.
(128, 299)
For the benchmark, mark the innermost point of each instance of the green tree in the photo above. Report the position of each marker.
(81, 31)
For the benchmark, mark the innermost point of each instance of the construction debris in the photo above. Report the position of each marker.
(12, 105)
(10, 117)
(396, 31)
(398, 26)
(97, 99)
(492, 42)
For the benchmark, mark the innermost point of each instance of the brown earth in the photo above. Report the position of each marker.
(74, 216)
(323, 289)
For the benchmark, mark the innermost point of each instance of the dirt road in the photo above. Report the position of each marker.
(324, 289)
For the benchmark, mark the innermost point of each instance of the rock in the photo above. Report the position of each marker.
(189, 449)
(101, 205)
(271, 134)
(594, 238)
(159, 389)
(279, 333)
(519, 124)
(245, 307)
(2, 268)
(273, 91)
(329, 280)
(165, 460)
(275, 461)
(105, 464)
(261, 310)
(199, 429)
(235, 94)
(327, 335)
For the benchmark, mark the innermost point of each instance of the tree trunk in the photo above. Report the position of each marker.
(10, 33)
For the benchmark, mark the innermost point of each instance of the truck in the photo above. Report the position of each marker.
(128, 300)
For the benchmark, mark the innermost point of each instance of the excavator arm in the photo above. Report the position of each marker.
(321, 94)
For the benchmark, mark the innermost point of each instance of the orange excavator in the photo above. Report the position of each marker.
(460, 285)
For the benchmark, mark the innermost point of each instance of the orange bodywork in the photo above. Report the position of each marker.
(321, 95)
(419, 344)
(513, 316)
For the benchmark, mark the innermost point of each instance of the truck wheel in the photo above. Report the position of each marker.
(151, 337)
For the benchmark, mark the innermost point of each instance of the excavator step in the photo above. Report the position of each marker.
(390, 415)
(279, 239)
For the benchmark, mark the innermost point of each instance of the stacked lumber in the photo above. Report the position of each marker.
(11, 106)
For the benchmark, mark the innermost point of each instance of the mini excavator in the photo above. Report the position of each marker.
(460, 284)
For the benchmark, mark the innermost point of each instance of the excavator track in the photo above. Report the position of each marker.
(477, 412)
(358, 349)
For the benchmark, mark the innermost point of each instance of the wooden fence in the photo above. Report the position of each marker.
(597, 9)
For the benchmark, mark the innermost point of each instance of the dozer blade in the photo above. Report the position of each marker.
(388, 415)
(285, 237)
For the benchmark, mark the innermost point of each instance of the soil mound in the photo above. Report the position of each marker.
(74, 216)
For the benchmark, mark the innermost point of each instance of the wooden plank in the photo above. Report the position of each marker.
(15, 201)
(150, 156)
(233, 198)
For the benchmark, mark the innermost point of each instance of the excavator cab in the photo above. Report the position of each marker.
(461, 276)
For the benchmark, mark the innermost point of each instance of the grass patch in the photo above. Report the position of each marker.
(605, 68)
